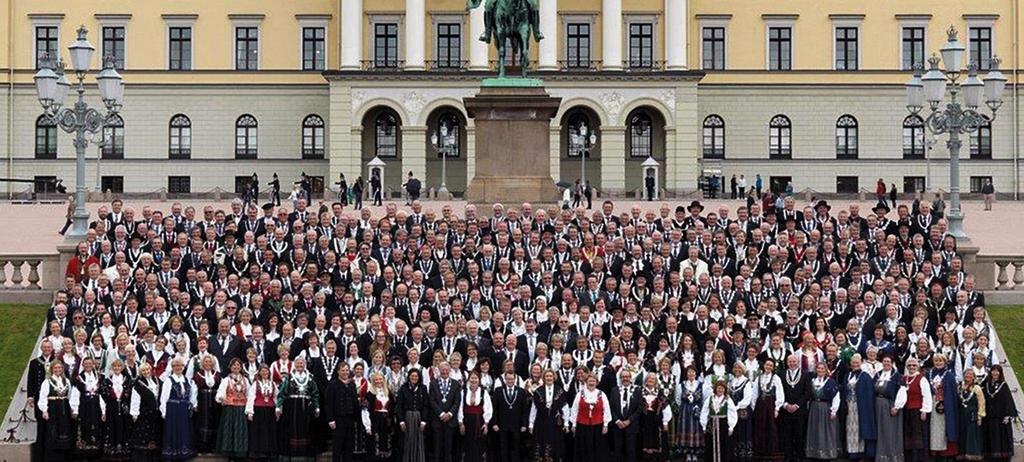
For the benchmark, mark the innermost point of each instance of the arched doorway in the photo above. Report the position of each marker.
(450, 120)
(576, 148)
(382, 138)
(645, 139)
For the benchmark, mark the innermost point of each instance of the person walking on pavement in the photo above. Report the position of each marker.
(342, 190)
(987, 190)
(357, 193)
(412, 188)
(71, 211)
(741, 185)
(275, 190)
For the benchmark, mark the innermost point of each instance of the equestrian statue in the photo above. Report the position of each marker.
(510, 23)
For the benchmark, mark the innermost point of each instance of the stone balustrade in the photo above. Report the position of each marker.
(1003, 273)
(29, 278)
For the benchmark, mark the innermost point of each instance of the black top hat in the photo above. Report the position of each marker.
(822, 203)
(880, 206)
(695, 205)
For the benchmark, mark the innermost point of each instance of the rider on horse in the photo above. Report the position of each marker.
(534, 17)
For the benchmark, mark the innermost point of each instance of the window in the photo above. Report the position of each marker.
(179, 184)
(385, 45)
(981, 47)
(313, 46)
(246, 137)
(913, 137)
(313, 137)
(913, 47)
(46, 44)
(242, 184)
(247, 48)
(640, 136)
(714, 137)
(977, 182)
(46, 138)
(779, 138)
(450, 142)
(113, 139)
(847, 185)
(114, 184)
(577, 51)
(641, 45)
(780, 47)
(449, 45)
(846, 48)
(179, 144)
(846, 137)
(578, 142)
(113, 45)
(713, 48)
(981, 141)
(913, 184)
(386, 135)
(43, 184)
(180, 42)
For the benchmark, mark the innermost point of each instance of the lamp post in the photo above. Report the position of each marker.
(588, 142)
(84, 121)
(443, 145)
(955, 118)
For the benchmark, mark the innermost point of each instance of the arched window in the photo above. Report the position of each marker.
(46, 138)
(640, 135)
(179, 143)
(113, 139)
(714, 137)
(449, 143)
(313, 137)
(386, 135)
(846, 137)
(913, 137)
(246, 137)
(780, 138)
(578, 142)
(981, 141)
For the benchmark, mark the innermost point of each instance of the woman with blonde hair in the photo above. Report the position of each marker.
(378, 418)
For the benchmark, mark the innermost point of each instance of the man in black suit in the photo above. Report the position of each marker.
(342, 409)
(444, 399)
(520, 361)
(624, 401)
(793, 416)
(225, 346)
(511, 417)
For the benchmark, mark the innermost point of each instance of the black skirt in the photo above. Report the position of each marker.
(590, 444)
(205, 420)
(263, 433)
(89, 444)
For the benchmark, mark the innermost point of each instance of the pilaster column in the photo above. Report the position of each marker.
(351, 34)
(611, 34)
(548, 52)
(414, 153)
(470, 153)
(675, 35)
(613, 159)
(478, 51)
(415, 34)
(555, 135)
(343, 147)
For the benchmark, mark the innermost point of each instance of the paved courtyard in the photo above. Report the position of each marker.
(33, 228)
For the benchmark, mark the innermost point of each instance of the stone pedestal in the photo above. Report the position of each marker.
(512, 145)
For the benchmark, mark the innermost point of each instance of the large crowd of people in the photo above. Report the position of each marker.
(754, 333)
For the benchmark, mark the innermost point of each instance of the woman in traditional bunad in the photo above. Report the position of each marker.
(54, 403)
(412, 416)
(177, 404)
(741, 390)
(972, 414)
(890, 397)
(474, 413)
(718, 419)
(147, 422)
(546, 416)
(116, 392)
(823, 416)
(233, 395)
(379, 418)
(207, 381)
(655, 416)
(859, 403)
(916, 413)
(1000, 411)
(89, 409)
(588, 419)
(296, 407)
(689, 432)
(944, 426)
(283, 365)
(770, 396)
(259, 409)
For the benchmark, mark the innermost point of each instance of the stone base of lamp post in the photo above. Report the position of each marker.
(512, 145)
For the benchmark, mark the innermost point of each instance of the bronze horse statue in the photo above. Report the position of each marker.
(511, 24)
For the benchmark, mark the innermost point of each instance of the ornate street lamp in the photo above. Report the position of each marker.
(444, 146)
(52, 88)
(955, 118)
(588, 143)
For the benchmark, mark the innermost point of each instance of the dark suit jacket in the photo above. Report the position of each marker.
(510, 417)
(440, 403)
(632, 411)
(223, 356)
(521, 366)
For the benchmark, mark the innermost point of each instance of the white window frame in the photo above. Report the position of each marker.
(629, 18)
(113, 20)
(714, 20)
(246, 20)
(449, 18)
(780, 20)
(847, 21)
(389, 18)
(180, 20)
(563, 31)
(44, 20)
(322, 21)
(979, 20)
(916, 21)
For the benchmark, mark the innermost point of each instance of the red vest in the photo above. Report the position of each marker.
(590, 414)
(914, 398)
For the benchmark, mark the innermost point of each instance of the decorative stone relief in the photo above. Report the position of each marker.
(613, 103)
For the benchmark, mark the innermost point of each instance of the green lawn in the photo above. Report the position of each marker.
(19, 328)
(1009, 323)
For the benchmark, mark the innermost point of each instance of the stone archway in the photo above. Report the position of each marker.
(455, 164)
(382, 138)
(645, 138)
(573, 146)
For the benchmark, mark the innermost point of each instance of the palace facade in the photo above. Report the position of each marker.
(804, 91)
